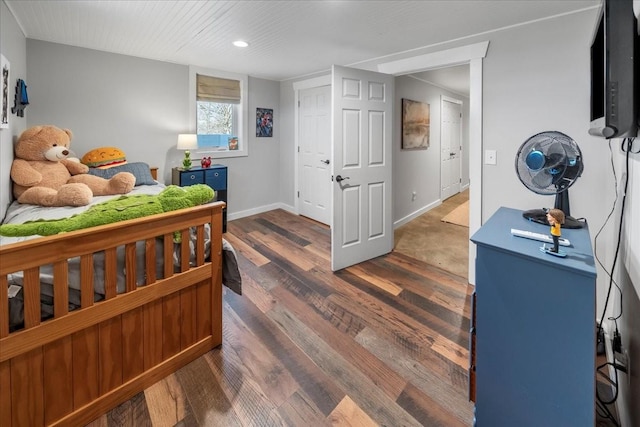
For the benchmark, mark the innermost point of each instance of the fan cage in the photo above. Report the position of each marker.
(555, 163)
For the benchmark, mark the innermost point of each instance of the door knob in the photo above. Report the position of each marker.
(339, 178)
(326, 162)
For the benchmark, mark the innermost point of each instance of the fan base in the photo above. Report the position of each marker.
(540, 216)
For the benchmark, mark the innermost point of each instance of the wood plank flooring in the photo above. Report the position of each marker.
(383, 343)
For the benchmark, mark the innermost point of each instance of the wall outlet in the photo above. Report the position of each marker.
(414, 195)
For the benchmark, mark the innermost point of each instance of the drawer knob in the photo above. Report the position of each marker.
(192, 177)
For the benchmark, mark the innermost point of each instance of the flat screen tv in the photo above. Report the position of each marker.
(615, 72)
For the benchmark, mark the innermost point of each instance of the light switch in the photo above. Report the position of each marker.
(490, 157)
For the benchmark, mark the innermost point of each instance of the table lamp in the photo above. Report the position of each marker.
(187, 141)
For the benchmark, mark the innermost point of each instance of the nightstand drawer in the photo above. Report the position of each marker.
(216, 178)
(191, 177)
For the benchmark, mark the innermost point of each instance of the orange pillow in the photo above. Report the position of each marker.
(104, 157)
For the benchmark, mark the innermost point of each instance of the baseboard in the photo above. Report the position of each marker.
(292, 209)
(416, 214)
(261, 209)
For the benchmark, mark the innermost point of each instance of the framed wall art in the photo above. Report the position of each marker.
(264, 122)
(4, 113)
(415, 125)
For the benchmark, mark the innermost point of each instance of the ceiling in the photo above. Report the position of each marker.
(287, 39)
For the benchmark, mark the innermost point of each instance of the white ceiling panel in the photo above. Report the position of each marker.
(287, 39)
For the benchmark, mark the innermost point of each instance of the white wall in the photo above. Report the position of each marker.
(537, 78)
(287, 143)
(141, 106)
(13, 46)
(254, 180)
(627, 275)
(107, 99)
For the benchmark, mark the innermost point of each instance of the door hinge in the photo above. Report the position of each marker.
(298, 194)
(460, 180)
(298, 103)
(298, 148)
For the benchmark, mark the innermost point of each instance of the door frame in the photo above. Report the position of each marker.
(470, 54)
(297, 87)
(443, 99)
(298, 169)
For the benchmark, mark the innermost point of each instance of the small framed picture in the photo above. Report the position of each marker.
(264, 122)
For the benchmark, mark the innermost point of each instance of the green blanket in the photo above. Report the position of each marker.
(114, 210)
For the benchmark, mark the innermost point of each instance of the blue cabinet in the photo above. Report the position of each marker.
(214, 176)
(535, 330)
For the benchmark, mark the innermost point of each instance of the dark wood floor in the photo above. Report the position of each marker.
(381, 343)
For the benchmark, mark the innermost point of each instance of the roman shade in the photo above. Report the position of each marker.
(214, 89)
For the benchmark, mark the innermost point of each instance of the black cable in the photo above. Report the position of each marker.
(615, 383)
(629, 146)
(601, 404)
(629, 143)
(606, 413)
(606, 221)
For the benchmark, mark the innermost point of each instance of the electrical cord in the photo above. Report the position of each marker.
(605, 413)
(629, 146)
(614, 382)
(601, 403)
(628, 142)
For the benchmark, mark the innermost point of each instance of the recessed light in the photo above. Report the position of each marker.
(240, 43)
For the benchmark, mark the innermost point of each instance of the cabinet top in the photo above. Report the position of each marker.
(199, 168)
(496, 234)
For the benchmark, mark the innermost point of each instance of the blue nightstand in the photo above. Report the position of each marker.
(214, 176)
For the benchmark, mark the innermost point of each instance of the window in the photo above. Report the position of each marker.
(219, 111)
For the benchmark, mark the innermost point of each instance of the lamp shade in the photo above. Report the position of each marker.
(187, 141)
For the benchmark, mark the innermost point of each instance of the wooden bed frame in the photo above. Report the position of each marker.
(74, 367)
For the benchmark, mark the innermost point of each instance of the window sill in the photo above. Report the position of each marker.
(219, 154)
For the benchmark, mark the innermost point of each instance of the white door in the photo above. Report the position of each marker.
(450, 146)
(314, 154)
(361, 146)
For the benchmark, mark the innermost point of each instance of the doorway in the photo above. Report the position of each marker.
(314, 154)
(473, 55)
(450, 147)
(469, 54)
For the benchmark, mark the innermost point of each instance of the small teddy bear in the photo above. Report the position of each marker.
(43, 174)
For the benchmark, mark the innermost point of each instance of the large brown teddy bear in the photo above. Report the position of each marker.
(43, 175)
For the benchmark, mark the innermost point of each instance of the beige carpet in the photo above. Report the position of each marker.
(459, 216)
(438, 243)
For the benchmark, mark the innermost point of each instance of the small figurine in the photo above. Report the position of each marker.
(555, 218)
(186, 162)
(205, 162)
